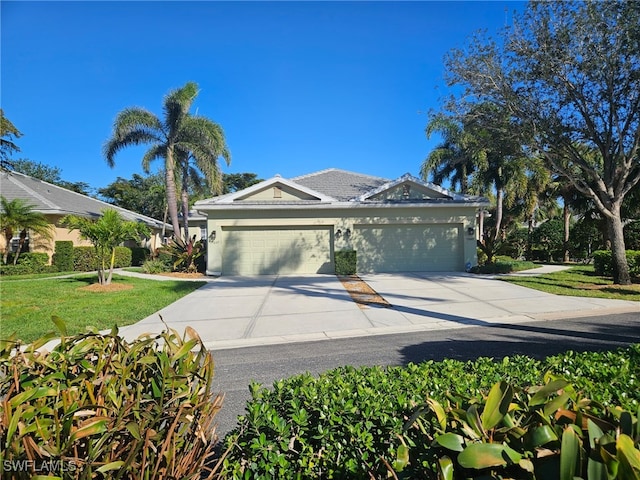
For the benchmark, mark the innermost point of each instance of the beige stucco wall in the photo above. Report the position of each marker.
(338, 218)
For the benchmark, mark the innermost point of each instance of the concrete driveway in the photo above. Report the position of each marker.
(240, 311)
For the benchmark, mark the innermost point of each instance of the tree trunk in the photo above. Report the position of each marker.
(172, 201)
(499, 205)
(184, 195)
(567, 218)
(618, 256)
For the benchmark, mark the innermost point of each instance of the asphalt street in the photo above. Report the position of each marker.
(236, 368)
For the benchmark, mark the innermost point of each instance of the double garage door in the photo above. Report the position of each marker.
(304, 250)
(277, 250)
(409, 248)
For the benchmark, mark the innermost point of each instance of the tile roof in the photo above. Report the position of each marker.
(340, 184)
(51, 199)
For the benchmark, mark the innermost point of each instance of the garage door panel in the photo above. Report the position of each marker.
(408, 248)
(268, 251)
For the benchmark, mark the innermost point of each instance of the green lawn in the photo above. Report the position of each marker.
(579, 281)
(26, 306)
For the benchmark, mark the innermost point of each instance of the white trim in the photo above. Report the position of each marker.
(407, 177)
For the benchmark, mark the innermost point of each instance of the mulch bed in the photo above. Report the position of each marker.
(112, 287)
(362, 293)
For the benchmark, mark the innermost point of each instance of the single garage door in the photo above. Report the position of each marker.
(276, 250)
(409, 248)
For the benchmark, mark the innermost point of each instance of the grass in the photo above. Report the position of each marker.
(27, 305)
(31, 276)
(579, 281)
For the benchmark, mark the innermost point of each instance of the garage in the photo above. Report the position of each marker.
(276, 250)
(409, 248)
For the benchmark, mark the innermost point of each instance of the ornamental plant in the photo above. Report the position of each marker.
(97, 406)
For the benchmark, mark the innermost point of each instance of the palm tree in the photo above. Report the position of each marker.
(174, 138)
(18, 215)
(453, 159)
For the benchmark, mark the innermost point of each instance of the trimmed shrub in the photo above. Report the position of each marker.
(347, 422)
(28, 263)
(85, 259)
(139, 255)
(345, 262)
(503, 266)
(97, 406)
(603, 262)
(155, 265)
(63, 256)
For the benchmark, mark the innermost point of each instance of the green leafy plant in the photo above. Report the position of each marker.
(549, 431)
(350, 422)
(345, 261)
(97, 406)
(603, 262)
(184, 254)
(155, 265)
(106, 234)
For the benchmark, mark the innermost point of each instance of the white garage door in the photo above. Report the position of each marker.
(281, 250)
(409, 248)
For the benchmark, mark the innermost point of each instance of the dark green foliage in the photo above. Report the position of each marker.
(632, 235)
(28, 263)
(342, 423)
(549, 237)
(63, 256)
(184, 255)
(85, 258)
(139, 255)
(603, 264)
(517, 243)
(503, 266)
(585, 238)
(345, 262)
(99, 407)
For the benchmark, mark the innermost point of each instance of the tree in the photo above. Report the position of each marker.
(19, 216)
(176, 138)
(48, 174)
(568, 74)
(142, 194)
(8, 132)
(106, 234)
(232, 182)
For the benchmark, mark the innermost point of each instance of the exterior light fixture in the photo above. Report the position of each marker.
(339, 233)
(212, 236)
(471, 231)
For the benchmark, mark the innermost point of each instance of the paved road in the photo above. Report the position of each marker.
(236, 368)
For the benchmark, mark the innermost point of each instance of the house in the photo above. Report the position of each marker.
(295, 226)
(55, 202)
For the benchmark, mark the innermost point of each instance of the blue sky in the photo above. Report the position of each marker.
(297, 86)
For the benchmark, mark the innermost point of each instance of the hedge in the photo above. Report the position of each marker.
(85, 259)
(345, 422)
(139, 255)
(63, 256)
(28, 263)
(603, 264)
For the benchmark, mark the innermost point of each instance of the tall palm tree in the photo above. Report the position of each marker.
(18, 216)
(175, 138)
(453, 159)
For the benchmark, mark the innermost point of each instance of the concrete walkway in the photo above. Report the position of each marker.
(233, 312)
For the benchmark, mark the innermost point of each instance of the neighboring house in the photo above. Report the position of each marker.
(295, 226)
(55, 202)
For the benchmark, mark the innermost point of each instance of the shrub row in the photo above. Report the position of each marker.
(503, 266)
(28, 263)
(347, 422)
(603, 262)
(85, 259)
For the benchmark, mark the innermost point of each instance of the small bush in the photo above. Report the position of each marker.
(345, 262)
(63, 256)
(85, 258)
(156, 265)
(346, 421)
(97, 406)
